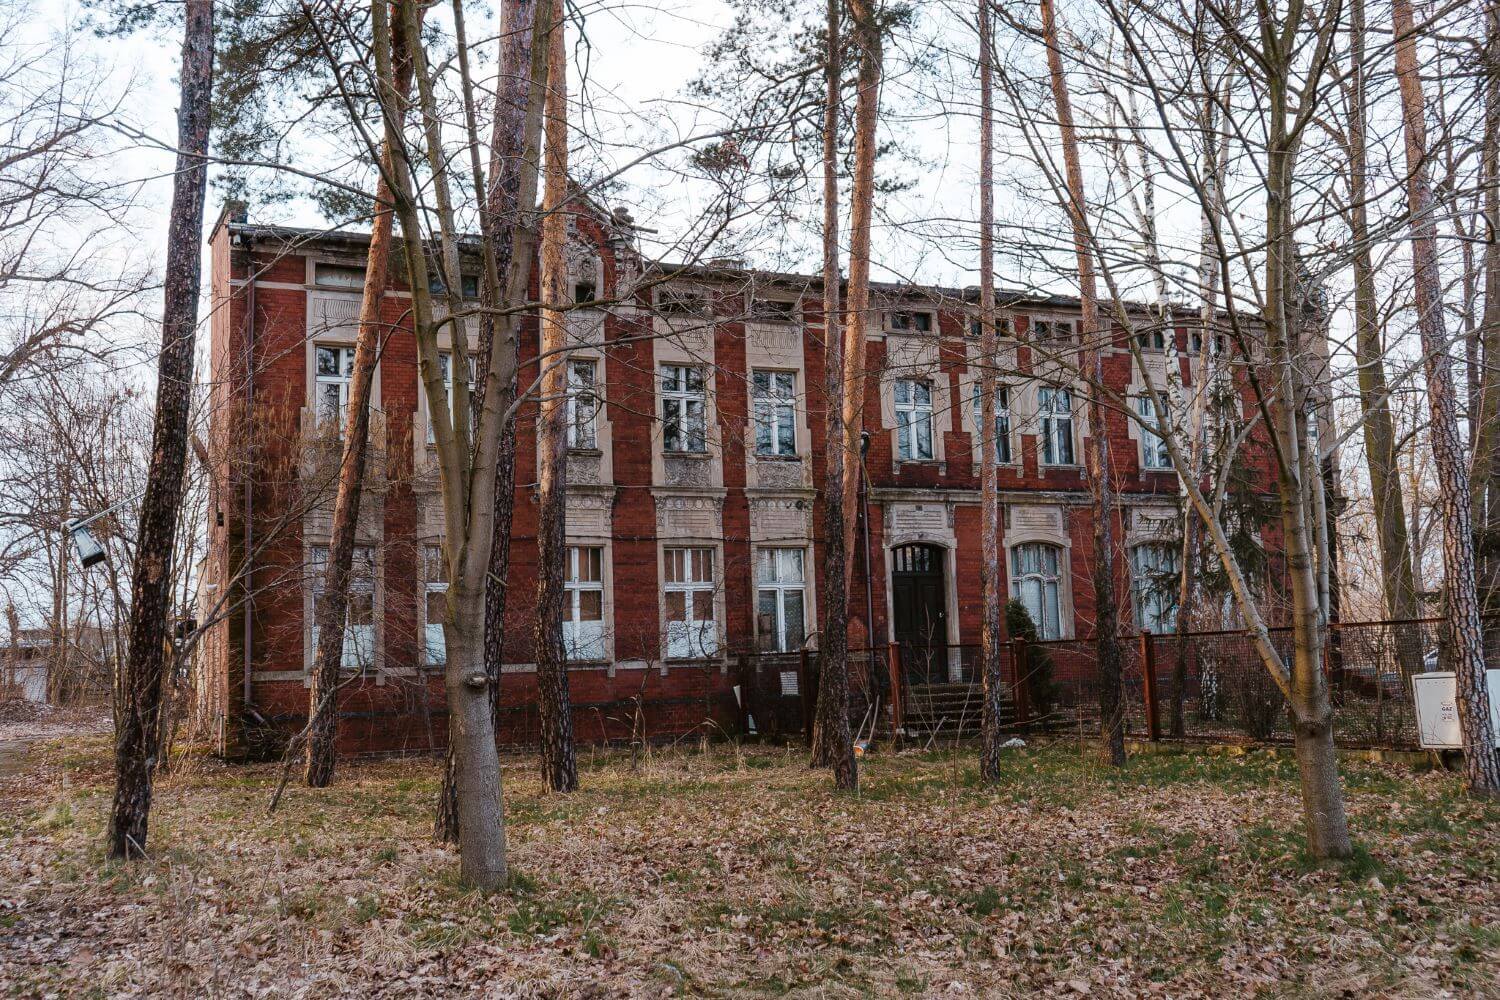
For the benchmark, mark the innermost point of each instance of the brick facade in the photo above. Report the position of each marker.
(279, 293)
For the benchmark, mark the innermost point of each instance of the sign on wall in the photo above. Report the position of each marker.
(1436, 697)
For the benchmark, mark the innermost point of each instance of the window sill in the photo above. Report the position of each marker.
(586, 452)
(777, 458)
(920, 462)
(699, 455)
(1073, 467)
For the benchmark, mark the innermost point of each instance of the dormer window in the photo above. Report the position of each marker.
(1004, 327)
(347, 277)
(1051, 329)
(773, 310)
(681, 302)
(909, 321)
(468, 285)
(1152, 340)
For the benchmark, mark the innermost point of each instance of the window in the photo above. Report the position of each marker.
(1056, 411)
(335, 368)
(583, 619)
(1051, 329)
(1154, 453)
(691, 630)
(1003, 327)
(683, 404)
(445, 367)
(773, 310)
(1002, 421)
(779, 585)
(910, 322)
(582, 406)
(346, 276)
(913, 420)
(584, 292)
(435, 606)
(1195, 343)
(1152, 340)
(1153, 568)
(468, 285)
(775, 412)
(1034, 582)
(681, 302)
(359, 618)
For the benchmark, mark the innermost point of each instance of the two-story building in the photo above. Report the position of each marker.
(696, 443)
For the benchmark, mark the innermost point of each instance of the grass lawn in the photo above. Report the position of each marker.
(723, 873)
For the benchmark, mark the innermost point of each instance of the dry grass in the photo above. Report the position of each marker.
(741, 874)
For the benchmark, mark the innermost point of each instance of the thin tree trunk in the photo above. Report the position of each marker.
(989, 495)
(515, 142)
(1465, 630)
(1379, 427)
(829, 738)
(559, 769)
(137, 736)
(1486, 485)
(1107, 611)
(332, 607)
(468, 501)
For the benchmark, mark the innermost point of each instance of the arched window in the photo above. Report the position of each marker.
(1034, 581)
(1153, 572)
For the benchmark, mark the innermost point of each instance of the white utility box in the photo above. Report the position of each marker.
(1436, 696)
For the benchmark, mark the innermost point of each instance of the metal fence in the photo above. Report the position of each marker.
(1204, 686)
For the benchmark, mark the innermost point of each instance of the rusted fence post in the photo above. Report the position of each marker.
(893, 664)
(1148, 675)
(1023, 688)
(744, 680)
(809, 697)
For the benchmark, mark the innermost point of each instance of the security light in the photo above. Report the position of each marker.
(87, 546)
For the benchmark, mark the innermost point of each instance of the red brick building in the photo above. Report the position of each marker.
(694, 509)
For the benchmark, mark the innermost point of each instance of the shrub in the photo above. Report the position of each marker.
(1039, 687)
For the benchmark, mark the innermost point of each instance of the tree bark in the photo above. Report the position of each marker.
(836, 747)
(333, 605)
(1094, 342)
(1486, 485)
(1465, 630)
(137, 736)
(468, 481)
(1379, 426)
(559, 768)
(829, 734)
(989, 495)
(509, 229)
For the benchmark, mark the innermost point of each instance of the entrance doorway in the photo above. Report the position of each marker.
(920, 611)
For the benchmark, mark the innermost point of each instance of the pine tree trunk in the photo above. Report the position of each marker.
(559, 768)
(1106, 608)
(332, 607)
(137, 736)
(830, 735)
(1486, 485)
(1465, 629)
(833, 693)
(1379, 427)
(989, 495)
